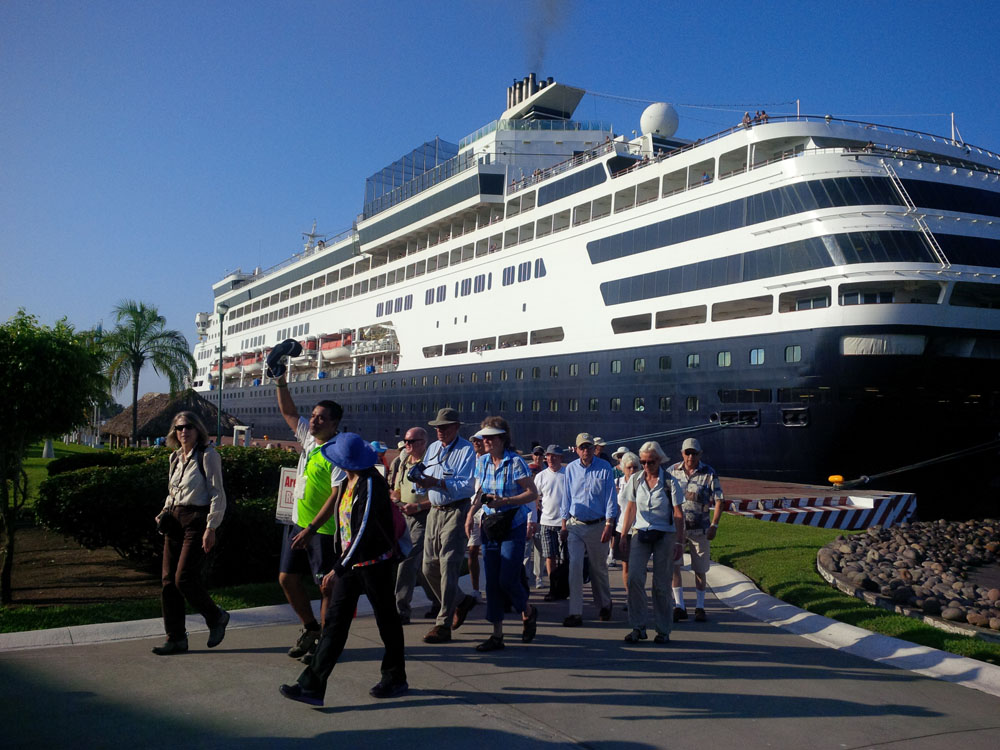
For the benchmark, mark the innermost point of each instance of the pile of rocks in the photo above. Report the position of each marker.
(921, 568)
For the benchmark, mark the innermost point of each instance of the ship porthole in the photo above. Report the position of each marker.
(713, 417)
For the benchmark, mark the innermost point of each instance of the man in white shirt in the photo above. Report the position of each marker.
(552, 489)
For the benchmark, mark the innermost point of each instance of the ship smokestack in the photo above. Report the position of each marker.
(532, 86)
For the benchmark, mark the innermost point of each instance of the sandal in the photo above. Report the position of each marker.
(637, 634)
(493, 643)
(530, 626)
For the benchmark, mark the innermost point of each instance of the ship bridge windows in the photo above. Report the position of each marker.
(571, 184)
(976, 294)
(804, 299)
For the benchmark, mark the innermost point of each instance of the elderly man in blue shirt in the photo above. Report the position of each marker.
(588, 515)
(448, 468)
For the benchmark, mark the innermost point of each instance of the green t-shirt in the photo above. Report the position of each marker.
(318, 488)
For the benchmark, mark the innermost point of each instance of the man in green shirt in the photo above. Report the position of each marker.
(307, 547)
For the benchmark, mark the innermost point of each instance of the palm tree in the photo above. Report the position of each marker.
(141, 336)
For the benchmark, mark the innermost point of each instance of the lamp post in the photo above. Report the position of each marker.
(222, 308)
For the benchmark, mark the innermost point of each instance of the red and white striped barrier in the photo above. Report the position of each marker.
(832, 512)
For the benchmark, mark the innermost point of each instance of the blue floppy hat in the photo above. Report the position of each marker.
(350, 452)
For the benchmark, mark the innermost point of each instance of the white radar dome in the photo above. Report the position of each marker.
(659, 118)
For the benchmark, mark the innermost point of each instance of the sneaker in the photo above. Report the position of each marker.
(680, 614)
(699, 615)
(305, 643)
(663, 640)
(218, 631)
(172, 647)
(438, 634)
(605, 614)
(296, 693)
(539, 582)
(462, 611)
(307, 659)
(573, 621)
(388, 689)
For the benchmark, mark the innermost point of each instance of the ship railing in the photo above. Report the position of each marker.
(331, 242)
(604, 148)
(574, 161)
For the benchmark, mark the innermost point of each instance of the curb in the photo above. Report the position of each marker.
(741, 594)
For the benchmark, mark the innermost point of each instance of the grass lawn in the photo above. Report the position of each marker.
(781, 559)
(35, 465)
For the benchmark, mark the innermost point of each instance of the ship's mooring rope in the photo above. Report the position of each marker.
(864, 479)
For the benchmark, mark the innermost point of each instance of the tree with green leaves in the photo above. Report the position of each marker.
(141, 336)
(49, 380)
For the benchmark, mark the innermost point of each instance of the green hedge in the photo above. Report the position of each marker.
(78, 461)
(115, 506)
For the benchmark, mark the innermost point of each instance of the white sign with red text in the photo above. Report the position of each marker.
(286, 496)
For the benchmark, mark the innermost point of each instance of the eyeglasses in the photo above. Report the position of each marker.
(650, 462)
(182, 427)
(414, 440)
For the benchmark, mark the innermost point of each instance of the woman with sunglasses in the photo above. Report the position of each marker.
(653, 522)
(504, 488)
(195, 505)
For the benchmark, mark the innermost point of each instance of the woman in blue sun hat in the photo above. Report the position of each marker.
(366, 562)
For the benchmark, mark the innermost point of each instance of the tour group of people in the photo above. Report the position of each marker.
(360, 526)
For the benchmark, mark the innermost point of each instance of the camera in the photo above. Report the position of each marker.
(416, 472)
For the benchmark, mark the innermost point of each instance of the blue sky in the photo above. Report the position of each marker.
(147, 148)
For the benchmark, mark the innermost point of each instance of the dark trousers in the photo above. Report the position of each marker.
(183, 558)
(503, 563)
(378, 583)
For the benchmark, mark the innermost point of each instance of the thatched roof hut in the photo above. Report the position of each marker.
(156, 410)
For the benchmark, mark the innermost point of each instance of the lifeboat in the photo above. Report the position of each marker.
(308, 352)
(252, 363)
(336, 349)
(231, 367)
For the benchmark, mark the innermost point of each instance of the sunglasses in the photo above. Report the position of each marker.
(651, 462)
(182, 427)
(690, 453)
(415, 440)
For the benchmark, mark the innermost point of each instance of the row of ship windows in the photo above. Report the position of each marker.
(744, 399)
(780, 202)
(754, 356)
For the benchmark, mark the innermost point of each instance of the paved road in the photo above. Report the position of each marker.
(735, 682)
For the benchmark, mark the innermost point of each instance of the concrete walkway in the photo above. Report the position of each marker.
(734, 680)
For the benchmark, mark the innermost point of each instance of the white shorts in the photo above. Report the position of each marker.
(475, 538)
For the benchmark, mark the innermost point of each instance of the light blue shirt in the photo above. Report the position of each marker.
(503, 481)
(654, 508)
(454, 464)
(591, 493)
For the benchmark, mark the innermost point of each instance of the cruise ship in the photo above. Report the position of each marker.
(807, 295)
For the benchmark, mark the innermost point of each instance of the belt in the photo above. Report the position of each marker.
(589, 523)
(451, 505)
